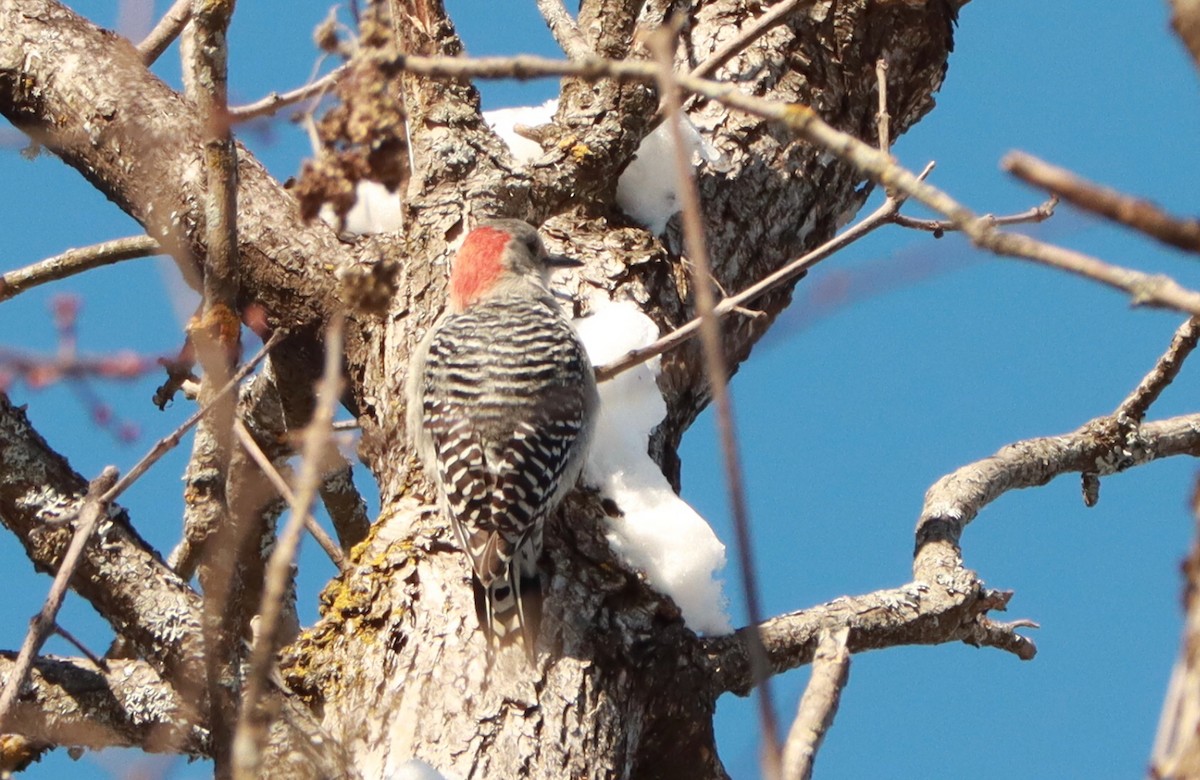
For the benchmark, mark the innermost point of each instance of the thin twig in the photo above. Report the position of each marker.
(96, 660)
(76, 261)
(661, 44)
(792, 270)
(1176, 748)
(1146, 289)
(216, 337)
(882, 118)
(93, 511)
(1135, 406)
(276, 101)
(564, 29)
(885, 214)
(814, 715)
(167, 30)
(939, 227)
(252, 725)
(167, 443)
(772, 18)
(1141, 215)
(1129, 415)
(280, 484)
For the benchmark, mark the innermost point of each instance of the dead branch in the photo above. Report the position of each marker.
(1135, 406)
(94, 509)
(275, 101)
(252, 725)
(69, 702)
(76, 261)
(818, 705)
(563, 28)
(122, 578)
(1141, 215)
(167, 30)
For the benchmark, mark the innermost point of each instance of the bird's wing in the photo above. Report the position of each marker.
(527, 476)
(467, 482)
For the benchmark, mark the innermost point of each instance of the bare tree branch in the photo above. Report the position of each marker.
(345, 505)
(75, 261)
(144, 590)
(1176, 751)
(955, 499)
(269, 415)
(775, 15)
(1141, 215)
(662, 44)
(1145, 289)
(167, 30)
(1123, 422)
(938, 227)
(225, 560)
(276, 101)
(921, 612)
(39, 39)
(164, 445)
(947, 602)
(93, 510)
(818, 706)
(122, 578)
(73, 640)
(882, 117)
(252, 725)
(69, 702)
(563, 28)
(1185, 18)
(280, 484)
(885, 214)
(1135, 406)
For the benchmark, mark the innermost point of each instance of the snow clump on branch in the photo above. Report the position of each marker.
(659, 534)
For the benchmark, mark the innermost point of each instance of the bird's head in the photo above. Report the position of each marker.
(500, 256)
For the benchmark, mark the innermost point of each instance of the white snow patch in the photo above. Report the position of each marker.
(648, 189)
(503, 122)
(659, 534)
(375, 210)
(415, 769)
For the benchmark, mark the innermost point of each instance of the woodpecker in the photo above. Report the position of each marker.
(501, 406)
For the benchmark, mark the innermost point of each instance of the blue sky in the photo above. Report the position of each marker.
(847, 414)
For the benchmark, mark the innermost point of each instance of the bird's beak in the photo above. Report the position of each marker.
(562, 261)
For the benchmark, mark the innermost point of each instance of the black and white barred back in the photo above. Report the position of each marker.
(507, 404)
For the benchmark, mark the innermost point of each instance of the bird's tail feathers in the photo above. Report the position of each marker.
(510, 611)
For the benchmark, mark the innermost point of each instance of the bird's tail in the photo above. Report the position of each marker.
(510, 610)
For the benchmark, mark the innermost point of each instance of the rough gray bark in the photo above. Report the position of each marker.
(625, 683)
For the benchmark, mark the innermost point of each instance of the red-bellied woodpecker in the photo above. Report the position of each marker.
(501, 405)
